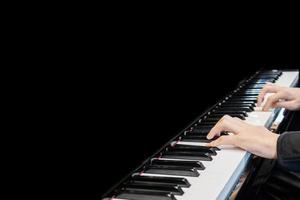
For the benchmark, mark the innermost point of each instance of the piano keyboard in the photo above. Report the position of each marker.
(185, 169)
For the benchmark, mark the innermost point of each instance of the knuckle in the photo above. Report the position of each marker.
(226, 117)
(272, 98)
(221, 139)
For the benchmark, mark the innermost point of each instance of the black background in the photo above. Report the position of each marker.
(125, 115)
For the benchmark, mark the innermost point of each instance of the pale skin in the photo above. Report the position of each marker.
(256, 139)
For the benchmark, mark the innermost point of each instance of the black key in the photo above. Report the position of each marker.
(214, 116)
(208, 123)
(147, 187)
(193, 151)
(183, 146)
(202, 129)
(192, 133)
(243, 98)
(142, 195)
(230, 104)
(187, 155)
(245, 95)
(149, 183)
(255, 86)
(196, 164)
(199, 131)
(248, 90)
(200, 135)
(257, 79)
(250, 85)
(268, 76)
(240, 97)
(212, 119)
(244, 113)
(182, 182)
(233, 101)
(203, 126)
(198, 138)
(270, 72)
(172, 170)
(192, 148)
(261, 81)
(249, 107)
(246, 109)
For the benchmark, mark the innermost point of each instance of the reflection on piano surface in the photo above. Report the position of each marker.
(185, 169)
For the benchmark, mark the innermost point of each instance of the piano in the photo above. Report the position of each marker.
(185, 169)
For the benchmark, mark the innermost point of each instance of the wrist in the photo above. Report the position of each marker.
(273, 145)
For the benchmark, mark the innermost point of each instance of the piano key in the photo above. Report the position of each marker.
(203, 149)
(212, 119)
(238, 103)
(219, 116)
(142, 195)
(208, 123)
(233, 101)
(248, 93)
(196, 164)
(246, 109)
(243, 98)
(258, 79)
(261, 81)
(195, 137)
(202, 129)
(193, 151)
(248, 90)
(172, 170)
(249, 107)
(183, 182)
(265, 72)
(244, 95)
(244, 113)
(267, 76)
(254, 86)
(147, 187)
(149, 183)
(245, 89)
(198, 138)
(187, 155)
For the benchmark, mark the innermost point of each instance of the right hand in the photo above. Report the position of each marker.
(255, 139)
(283, 97)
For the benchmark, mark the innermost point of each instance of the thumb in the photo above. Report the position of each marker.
(223, 140)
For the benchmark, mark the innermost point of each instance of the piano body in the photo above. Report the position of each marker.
(185, 169)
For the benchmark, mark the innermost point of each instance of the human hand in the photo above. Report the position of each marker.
(255, 139)
(283, 97)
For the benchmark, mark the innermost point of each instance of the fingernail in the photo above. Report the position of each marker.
(208, 137)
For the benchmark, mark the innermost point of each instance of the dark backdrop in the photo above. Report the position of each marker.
(125, 115)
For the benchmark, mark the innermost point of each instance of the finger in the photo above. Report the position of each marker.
(227, 123)
(266, 89)
(272, 100)
(290, 105)
(223, 140)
